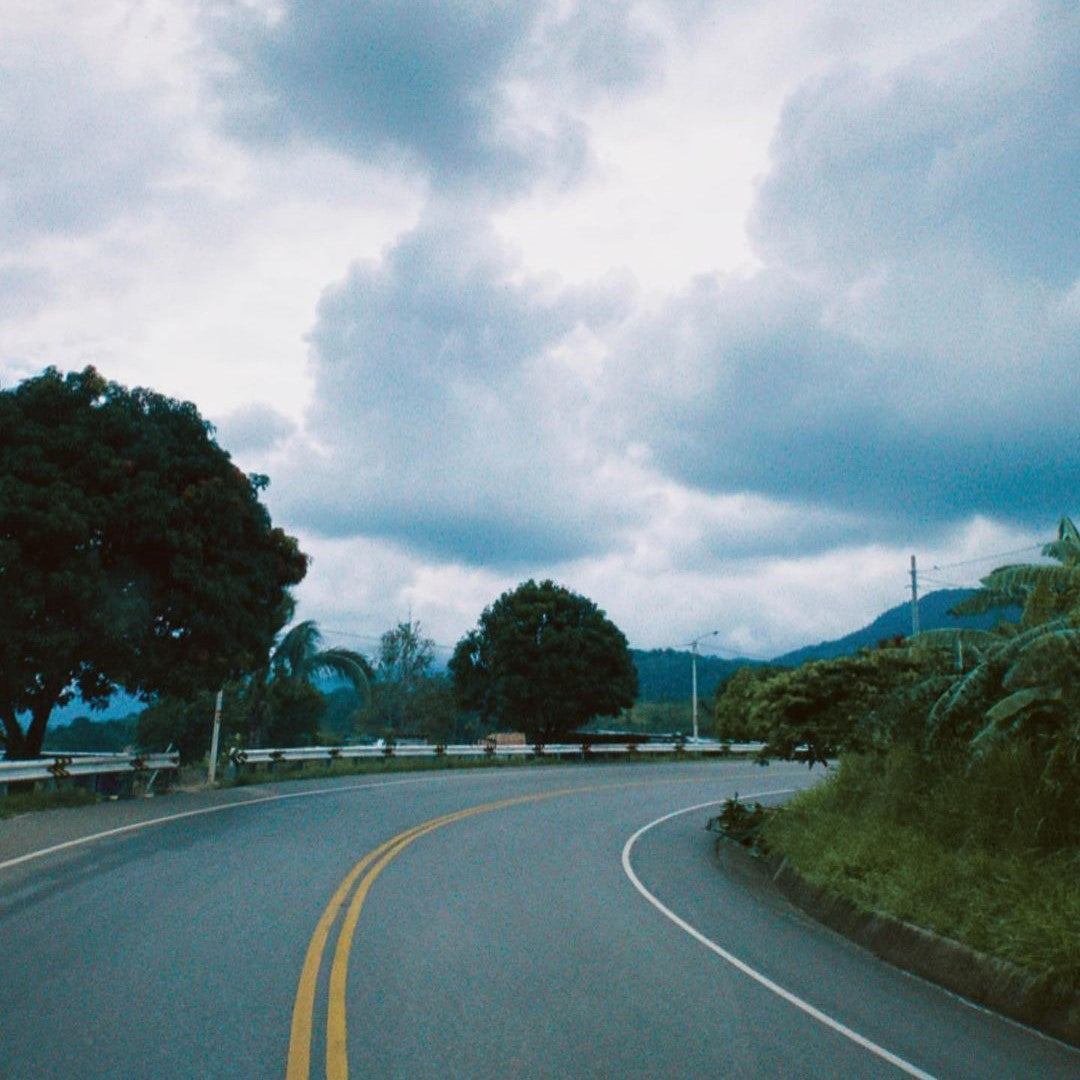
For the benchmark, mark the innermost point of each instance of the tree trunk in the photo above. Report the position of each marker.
(14, 738)
(25, 745)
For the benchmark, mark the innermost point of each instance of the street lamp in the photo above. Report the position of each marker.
(693, 670)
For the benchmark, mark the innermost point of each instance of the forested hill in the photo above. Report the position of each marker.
(665, 674)
(933, 615)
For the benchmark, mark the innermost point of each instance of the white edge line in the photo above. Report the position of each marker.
(745, 968)
(79, 841)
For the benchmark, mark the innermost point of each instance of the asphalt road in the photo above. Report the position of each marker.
(518, 922)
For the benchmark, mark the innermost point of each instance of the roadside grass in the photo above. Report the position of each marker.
(25, 802)
(316, 770)
(961, 853)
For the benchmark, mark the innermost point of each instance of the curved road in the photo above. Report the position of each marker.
(515, 922)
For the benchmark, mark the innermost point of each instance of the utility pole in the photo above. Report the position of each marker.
(214, 737)
(693, 675)
(914, 598)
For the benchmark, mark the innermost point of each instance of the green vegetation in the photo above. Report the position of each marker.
(955, 803)
(25, 802)
(664, 674)
(544, 661)
(133, 552)
(411, 699)
(280, 706)
(92, 735)
(317, 770)
(954, 850)
(653, 718)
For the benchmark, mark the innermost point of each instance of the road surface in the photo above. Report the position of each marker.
(515, 922)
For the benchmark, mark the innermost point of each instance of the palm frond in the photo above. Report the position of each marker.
(949, 638)
(1022, 579)
(989, 598)
(1017, 702)
(972, 688)
(343, 664)
(295, 648)
(1066, 548)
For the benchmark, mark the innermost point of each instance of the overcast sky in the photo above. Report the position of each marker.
(715, 312)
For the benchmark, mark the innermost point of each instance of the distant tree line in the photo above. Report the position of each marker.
(135, 556)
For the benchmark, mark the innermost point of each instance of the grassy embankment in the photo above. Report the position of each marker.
(16, 803)
(972, 854)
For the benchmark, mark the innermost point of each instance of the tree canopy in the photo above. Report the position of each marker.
(404, 673)
(543, 660)
(133, 552)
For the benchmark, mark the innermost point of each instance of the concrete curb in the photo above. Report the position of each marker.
(999, 985)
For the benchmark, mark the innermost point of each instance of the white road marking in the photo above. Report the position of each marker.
(79, 841)
(764, 980)
(42, 852)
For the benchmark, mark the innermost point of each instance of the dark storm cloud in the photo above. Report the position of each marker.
(426, 82)
(976, 146)
(778, 401)
(438, 421)
(913, 350)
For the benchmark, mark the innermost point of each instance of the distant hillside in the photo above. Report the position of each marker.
(121, 705)
(933, 615)
(665, 674)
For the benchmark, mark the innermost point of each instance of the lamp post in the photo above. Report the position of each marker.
(693, 673)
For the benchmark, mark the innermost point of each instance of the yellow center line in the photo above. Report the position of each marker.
(337, 1066)
(299, 1060)
(298, 1065)
(374, 862)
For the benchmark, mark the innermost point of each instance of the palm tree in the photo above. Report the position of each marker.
(299, 655)
(286, 678)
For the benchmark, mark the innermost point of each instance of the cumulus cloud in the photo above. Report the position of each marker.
(909, 352)
(446, 415)
(975, 146)
(760, 389)
(465, 93)
(896, 353)
(254, 429)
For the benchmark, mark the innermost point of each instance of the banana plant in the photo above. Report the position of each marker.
(1024, 681)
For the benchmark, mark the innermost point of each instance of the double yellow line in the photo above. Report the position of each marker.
(365, 872)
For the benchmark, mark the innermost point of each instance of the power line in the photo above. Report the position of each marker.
(377, 639)
(947, 584)
(987, 558)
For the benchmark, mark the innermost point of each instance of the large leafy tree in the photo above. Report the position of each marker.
(544, 660)
(133, 552)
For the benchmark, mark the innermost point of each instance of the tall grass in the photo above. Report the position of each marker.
(982, 854)
(25, 802)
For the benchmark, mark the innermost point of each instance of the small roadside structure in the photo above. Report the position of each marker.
(504, 738)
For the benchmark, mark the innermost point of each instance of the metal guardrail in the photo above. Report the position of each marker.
(62, 766)
(269, 756)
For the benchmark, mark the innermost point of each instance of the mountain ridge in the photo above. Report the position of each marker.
(665, 674)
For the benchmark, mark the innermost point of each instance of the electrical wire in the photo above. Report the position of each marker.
(987, 558)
